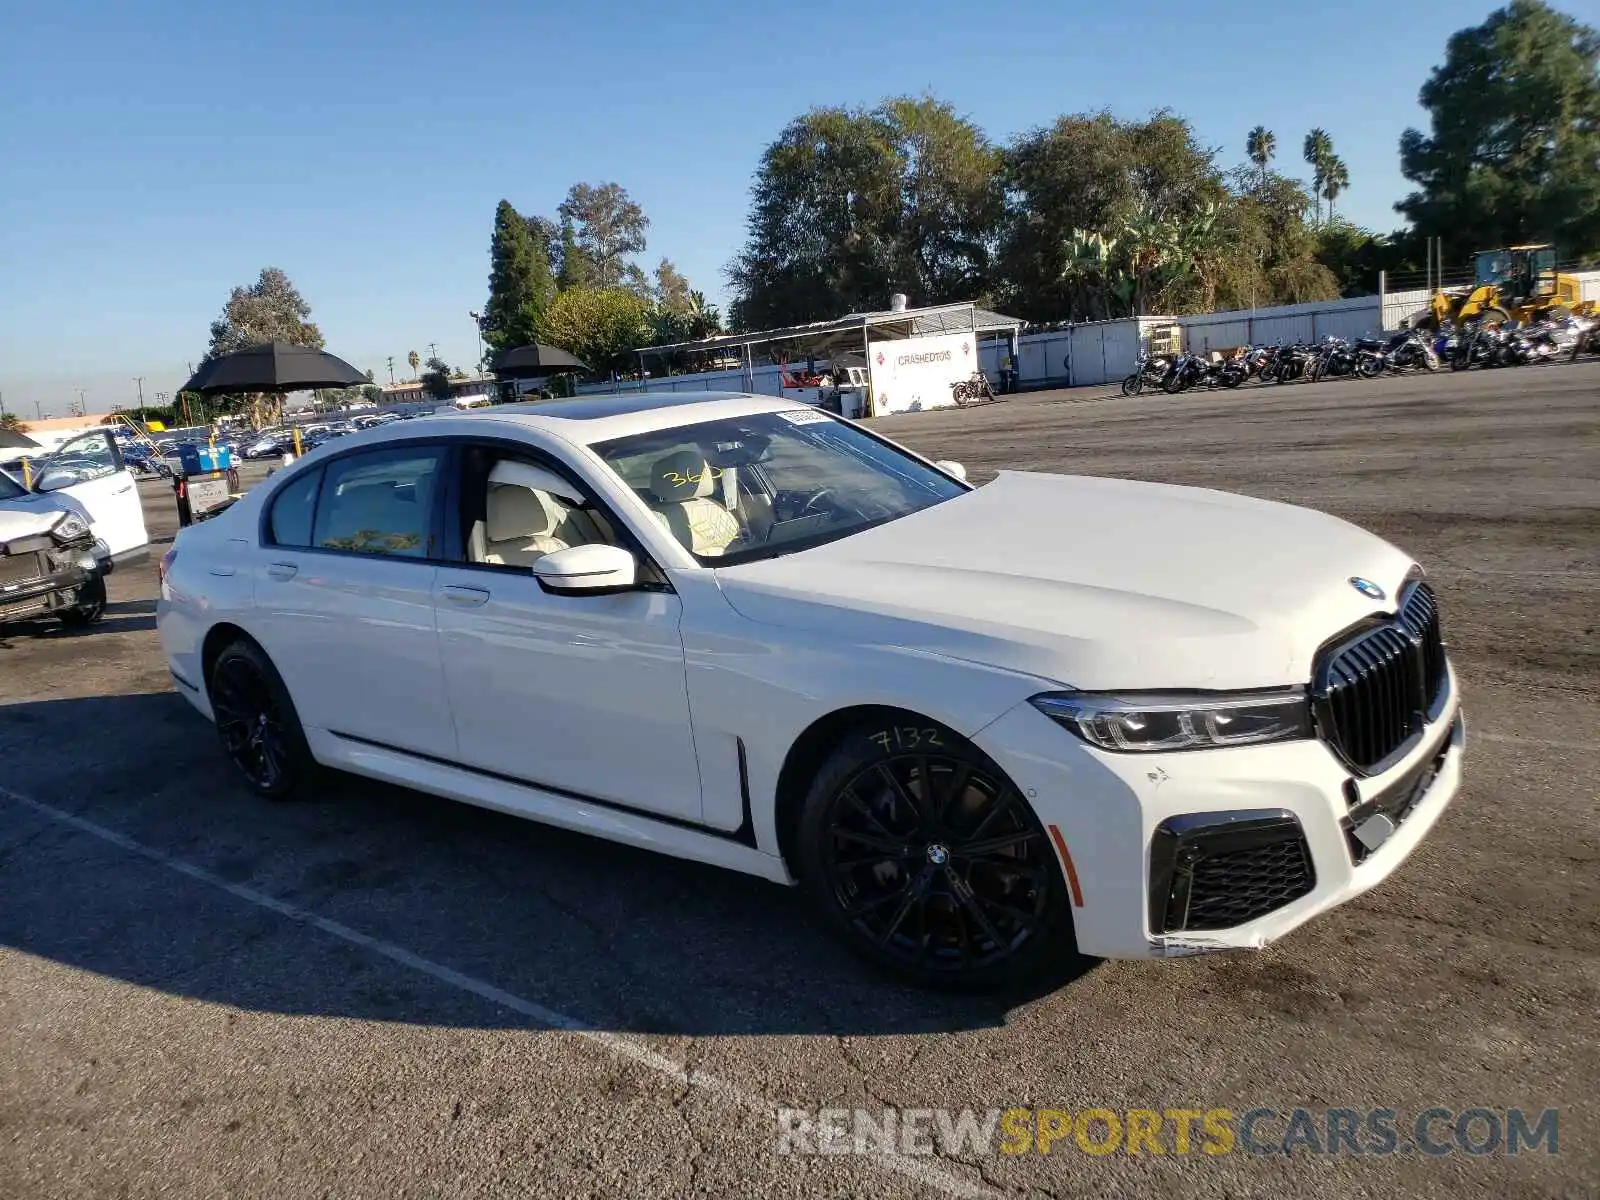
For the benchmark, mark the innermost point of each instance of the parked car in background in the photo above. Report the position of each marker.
(757, 635)
(272, 443)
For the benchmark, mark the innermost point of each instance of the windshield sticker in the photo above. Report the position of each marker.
(803, 416)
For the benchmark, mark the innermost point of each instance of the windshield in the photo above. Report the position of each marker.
(752, 487)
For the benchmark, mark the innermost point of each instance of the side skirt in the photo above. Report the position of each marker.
(547, 807)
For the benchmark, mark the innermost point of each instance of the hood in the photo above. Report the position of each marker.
(24, 517)
(1090, 583)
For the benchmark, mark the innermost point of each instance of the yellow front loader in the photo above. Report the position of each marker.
(1517, 283)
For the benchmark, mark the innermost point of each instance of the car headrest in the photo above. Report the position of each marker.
(509, 470)
(682, 476)
(514, 511)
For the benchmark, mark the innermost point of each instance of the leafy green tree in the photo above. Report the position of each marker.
(520, 284)
(1260, 145)
(851, 205)
(12, 423)
(269, 310)
(608, 228)
(671, 292)
(1142, 183)
(1514, 151)
(436, 379)
(602, 326)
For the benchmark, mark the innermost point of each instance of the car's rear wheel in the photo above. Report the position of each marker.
(929, 862)
(257, 723)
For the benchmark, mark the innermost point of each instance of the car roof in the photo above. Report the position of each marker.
(590, 420)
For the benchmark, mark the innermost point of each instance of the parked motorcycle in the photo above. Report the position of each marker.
(1148, 372)
(1185, 372)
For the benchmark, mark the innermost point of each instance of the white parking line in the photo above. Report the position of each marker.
(920, 1169)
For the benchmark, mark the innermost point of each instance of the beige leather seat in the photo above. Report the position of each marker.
(519, 526)
(681, 489)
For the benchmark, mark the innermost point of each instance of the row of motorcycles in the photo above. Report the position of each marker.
(1459, 347)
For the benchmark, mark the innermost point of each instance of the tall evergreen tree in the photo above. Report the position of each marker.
(1514, 151)
(520, 286)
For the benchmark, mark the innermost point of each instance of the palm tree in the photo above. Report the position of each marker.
(1317, 150)
(1260, 146)
(12, 423)
(415, 360)
(1336, 178)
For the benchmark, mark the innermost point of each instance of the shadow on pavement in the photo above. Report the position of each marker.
(609, 936)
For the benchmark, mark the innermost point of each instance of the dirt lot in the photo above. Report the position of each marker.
(374, 993)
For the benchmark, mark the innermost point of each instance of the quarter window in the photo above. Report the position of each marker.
(379, 503)
(292, 510)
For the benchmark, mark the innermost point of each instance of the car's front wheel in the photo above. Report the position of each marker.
(929, 862)
(90, 606)
(257, 723)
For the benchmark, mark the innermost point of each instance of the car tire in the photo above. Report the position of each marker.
(91, 605)
(965, 894)
(256, 721)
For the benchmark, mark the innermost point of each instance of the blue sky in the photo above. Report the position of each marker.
(158, 154)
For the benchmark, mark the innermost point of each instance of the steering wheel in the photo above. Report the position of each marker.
(811, 501)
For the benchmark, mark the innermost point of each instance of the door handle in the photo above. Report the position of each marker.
(281, 570)
(467, 597)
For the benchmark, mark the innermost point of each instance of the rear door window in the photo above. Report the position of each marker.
(379, 503)
(289, 523)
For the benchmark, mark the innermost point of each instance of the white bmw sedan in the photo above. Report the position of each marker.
(980, 726)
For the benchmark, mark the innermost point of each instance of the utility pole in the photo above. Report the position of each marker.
(477, 324)
(433, 349)
(391, 370)
(39, 409)
(139, 380)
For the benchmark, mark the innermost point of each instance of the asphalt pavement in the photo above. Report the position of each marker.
(372, 992)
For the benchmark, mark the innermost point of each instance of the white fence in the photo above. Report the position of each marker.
(1288, 323)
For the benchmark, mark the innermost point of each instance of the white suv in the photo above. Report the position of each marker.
(86, 476)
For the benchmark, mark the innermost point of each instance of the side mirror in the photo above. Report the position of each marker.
(593, 569)
(54, 481)
(952, 468)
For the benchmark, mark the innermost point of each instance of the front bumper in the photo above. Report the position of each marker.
(1119, 817)
(47, 593)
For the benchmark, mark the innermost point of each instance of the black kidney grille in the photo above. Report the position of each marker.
(1373, 693)
(1420, 615)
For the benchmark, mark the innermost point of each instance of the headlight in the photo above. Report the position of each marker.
(69, 527)
(1173, 721)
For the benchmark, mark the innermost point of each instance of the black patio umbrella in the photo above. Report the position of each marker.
(10, 439)
(525, 362)
(273, 367)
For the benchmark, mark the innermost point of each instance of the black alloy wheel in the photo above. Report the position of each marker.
(256, 721)
(931, 863)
